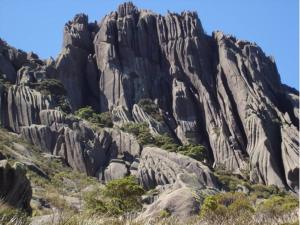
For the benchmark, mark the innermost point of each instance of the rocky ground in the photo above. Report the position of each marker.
(188, 115)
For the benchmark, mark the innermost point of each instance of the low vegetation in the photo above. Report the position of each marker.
(116, 198)
(99, 119)
(164, 141)
(150, 108)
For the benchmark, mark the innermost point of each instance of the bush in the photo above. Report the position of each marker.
(150, 108)
(277, 205)
(141, 131)
(49, 87)
(116, 198)
(166, 142)
(223, 206)
(102, 119)
(197, 152)
(263, 191)
(164, 213)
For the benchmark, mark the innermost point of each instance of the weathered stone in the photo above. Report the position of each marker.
(140, 116)
(159, 167)
(23, 106)
(15, 188)
(40, 135)
(116, 169)
(182, 200)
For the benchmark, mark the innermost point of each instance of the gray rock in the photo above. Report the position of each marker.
(116, 169)
(23, 106)
(40, 135)
(140, 116)
(182, 200)
(120, 116)
(160, 167)
(50, 116)
(15, 188)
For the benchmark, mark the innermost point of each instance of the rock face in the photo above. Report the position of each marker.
(182, 199)
(15, 189)
(217, 91)
(159, 167)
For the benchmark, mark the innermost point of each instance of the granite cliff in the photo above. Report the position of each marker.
(211, 90)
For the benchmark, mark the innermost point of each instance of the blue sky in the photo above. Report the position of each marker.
(37, 25)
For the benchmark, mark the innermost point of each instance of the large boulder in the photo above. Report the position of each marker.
(182, 199)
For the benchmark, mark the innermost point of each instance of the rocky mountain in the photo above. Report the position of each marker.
(211, 90)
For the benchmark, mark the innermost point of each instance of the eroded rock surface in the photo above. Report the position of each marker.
(213, 90)
(15, 189)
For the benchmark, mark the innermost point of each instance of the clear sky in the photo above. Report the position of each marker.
(37, 25)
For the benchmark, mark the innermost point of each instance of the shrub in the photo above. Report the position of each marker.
(116, 198)
(86, 113)
(197, 152)
(225, 205)
(164, 213)
(166, 142)
(277, 205)
(151, 108)
(102, 119)
(49, 87)
(263, 191)
(141, 131)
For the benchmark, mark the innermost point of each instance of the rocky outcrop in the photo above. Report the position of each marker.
(39, 135)
(50, 116)
(15, 189)
(159, 167)
(216, 90)
(140, 116)
(22, 107)
(185, 114)
(182, 199)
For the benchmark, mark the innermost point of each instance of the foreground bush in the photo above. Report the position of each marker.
(116, 198)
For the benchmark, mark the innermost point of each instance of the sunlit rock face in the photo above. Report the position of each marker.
(213, 90)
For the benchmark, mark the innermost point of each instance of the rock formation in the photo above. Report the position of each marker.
(15, 189)
(218, 91)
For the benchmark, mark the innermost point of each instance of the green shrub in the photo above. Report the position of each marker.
(141, 131)
(164, 213)
(263, 191)
(151, 108)
(165, 142)
(227, 208)
(277, 205)
(197, 152)
(116, 198)
(102, 119)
